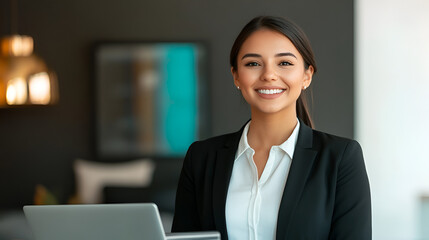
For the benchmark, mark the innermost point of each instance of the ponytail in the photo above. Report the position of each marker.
(302, 110)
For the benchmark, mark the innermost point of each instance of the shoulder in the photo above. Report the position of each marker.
(208, 148)
(323, 140)
(203, 154)
(346, 154)
(215, 143)
(335, 149)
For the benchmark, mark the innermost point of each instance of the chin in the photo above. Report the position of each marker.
(271, 110)
(274, 108)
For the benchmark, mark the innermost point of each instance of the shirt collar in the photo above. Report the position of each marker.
(288, 146)
(243, 145)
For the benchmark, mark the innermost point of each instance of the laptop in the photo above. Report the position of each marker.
(139, 221)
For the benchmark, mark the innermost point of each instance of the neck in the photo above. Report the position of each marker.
(266, 130)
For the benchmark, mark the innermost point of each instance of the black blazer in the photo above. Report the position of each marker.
(326, 195)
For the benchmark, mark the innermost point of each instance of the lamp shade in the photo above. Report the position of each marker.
(25, 78)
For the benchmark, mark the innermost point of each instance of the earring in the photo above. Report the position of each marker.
(238, 87)
(305, 87)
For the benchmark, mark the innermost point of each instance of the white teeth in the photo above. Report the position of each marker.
(270, 91)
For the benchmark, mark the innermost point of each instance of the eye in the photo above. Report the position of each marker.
(285, 63)
(252, 64)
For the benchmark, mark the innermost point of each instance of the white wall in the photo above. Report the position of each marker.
(392, 111)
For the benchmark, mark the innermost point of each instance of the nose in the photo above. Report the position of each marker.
(269, 74)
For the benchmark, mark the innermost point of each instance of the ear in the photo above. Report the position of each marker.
(308, 76)
(235, 76)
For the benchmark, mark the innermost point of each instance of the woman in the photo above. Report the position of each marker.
(276, 178)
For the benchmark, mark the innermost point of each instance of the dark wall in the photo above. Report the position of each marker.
(38, 144)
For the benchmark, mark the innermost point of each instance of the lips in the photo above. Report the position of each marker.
(270, 91)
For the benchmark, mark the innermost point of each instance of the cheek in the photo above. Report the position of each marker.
(293, 78)
(246, 75)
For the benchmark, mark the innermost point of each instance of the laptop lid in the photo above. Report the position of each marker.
(139, 221)
(92, 222)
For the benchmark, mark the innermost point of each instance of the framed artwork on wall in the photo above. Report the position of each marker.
(151, 98)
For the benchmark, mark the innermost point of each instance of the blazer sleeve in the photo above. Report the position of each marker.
(352, 212)
(185, 213)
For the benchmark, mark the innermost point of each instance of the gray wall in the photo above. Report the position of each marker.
(38, 144)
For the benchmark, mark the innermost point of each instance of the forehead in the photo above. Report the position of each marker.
(267, 42)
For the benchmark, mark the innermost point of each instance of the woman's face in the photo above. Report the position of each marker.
(270, 72)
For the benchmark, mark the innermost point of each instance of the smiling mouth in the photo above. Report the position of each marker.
(270, 91)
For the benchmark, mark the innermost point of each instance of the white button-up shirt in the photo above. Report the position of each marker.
(252, 206)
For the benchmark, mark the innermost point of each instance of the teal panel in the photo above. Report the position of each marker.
(179, 109)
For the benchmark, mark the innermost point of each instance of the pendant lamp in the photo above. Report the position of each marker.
(25, 78)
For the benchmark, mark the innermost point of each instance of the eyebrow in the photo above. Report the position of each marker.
(277, 55)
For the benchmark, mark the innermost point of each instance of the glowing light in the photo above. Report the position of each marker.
(40, 88)
(17, 45)
(16, 91)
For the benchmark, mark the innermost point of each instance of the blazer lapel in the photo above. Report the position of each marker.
(302, 162)
(222, 175)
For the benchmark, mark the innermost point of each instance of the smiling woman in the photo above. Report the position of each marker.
(277, 177)
(271, 73)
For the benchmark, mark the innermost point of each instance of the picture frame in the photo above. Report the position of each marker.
(151, 98)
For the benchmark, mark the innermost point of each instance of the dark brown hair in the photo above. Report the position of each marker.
(298, 39)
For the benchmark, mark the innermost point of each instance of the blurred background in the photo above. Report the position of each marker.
(373, 73)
